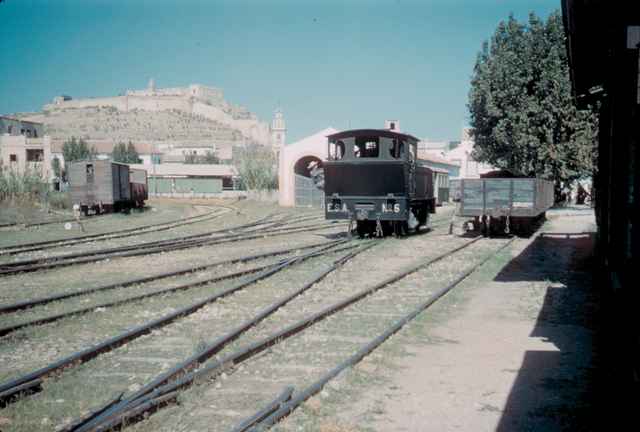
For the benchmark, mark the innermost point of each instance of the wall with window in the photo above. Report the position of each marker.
(21, 153)
(15, 127)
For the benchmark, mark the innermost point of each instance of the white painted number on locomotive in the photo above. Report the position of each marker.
(395, 208)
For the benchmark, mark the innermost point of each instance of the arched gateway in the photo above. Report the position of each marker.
(295, 165)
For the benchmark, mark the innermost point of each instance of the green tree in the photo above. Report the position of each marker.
(125, 153)
(522, 113)
(256, 166)
(77, 149)
(207, 158)
(119, 153)
(132, 154)
(56, 167)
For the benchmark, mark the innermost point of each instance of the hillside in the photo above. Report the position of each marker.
(110, 124)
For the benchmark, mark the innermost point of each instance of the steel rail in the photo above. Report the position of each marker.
(52, 318)
(90, 416)
(113, 420)
(156, 243)
(269, 409)
(11, 250)
(11, 389)
(61, 296)
(162, 248)
(218, 344)
(138, 251)
(3, 249)
(130, 232)
(317, 386)
(126, 248)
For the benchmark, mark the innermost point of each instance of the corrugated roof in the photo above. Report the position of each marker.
(193, 170)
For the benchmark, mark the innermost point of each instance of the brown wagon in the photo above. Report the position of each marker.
(103, 186)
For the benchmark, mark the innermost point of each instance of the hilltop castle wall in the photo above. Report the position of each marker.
(195, 99)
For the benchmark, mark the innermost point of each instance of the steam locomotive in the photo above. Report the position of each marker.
(374, 179)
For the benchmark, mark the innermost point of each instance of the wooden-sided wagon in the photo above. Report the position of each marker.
(103, 186)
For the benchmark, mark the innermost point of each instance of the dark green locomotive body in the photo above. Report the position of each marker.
(373, 177)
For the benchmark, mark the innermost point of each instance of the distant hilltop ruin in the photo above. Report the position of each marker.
(196, 99)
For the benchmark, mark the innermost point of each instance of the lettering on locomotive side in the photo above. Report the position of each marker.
(390, 208)
(337, 208)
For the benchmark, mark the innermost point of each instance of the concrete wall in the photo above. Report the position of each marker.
(289, 155)
(18, 146)
(118, 102)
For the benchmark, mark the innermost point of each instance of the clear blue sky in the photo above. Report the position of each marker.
(349, 63)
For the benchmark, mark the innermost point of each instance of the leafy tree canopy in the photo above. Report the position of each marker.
(125, 153)
(522, 113)
(76, 150)
(56, 166)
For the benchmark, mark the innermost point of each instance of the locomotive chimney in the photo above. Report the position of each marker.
(392, 125)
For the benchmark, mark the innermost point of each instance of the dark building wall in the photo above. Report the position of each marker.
(603, 43)
(16, 127)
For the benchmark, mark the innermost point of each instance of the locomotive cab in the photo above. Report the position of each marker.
(373, 177)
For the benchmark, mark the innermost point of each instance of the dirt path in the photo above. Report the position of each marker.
(510, 350)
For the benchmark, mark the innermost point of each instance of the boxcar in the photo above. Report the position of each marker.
(102, 186)
(372, 178)
(503, 204)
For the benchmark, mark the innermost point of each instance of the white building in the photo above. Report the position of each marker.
(460, 154)
(296, 158)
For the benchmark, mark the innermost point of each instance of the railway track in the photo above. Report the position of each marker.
(165, 388)
(13, 307)
(5, 330)
(212, 213)
(28, 383)
(65, 220)
(128, 232)
(225, 235)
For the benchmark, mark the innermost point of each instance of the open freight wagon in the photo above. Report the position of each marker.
(503, 205)
(103, 186)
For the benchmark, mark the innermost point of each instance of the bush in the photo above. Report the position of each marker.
(59, 200)
(26, 186)
(30, 188)
(257, 167)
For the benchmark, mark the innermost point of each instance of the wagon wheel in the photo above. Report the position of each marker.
(484, 227)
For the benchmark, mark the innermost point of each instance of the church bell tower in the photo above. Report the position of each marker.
(278, 131)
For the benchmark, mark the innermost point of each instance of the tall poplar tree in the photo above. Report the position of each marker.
(522, 113)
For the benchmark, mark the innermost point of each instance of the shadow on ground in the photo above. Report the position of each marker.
(555, 390)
